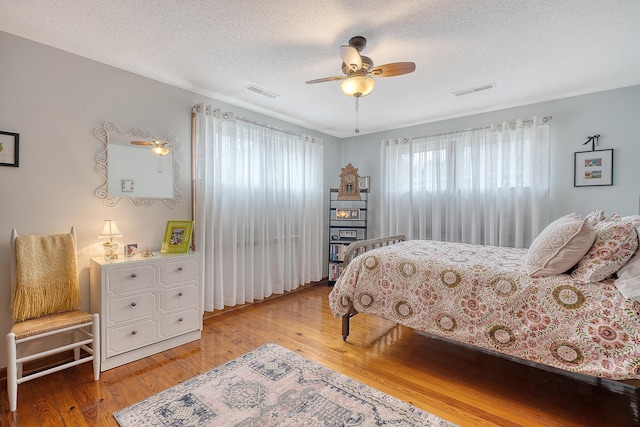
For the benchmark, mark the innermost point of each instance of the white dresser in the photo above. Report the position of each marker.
(146, 305)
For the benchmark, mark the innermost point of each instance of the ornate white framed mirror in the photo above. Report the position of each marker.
(137, 166)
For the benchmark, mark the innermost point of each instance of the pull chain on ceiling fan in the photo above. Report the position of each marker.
(357, 130)
(359, 71)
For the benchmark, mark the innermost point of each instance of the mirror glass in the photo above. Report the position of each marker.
(135, 172)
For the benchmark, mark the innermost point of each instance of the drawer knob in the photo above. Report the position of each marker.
(134, 332)
(133, 304)
(180, 268)
(180, 319)
(180, 294)
(134, 275)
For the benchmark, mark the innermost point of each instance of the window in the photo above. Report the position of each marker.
(485, 186)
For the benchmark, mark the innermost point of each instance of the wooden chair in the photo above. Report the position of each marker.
(44, 303)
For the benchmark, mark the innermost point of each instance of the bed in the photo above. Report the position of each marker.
(486, 296)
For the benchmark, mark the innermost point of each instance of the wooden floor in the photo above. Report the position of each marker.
(465, 386)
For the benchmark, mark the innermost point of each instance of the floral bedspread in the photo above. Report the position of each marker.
(480, 295)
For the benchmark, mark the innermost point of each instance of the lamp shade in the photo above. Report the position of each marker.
(357, 86)
(110, 229)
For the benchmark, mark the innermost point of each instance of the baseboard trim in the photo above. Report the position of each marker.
(226, 309)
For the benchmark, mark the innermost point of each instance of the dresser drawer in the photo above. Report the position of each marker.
(178, 272)
(125, 280)
(130, 337)
(128, 308)
(179, 323)
(179, 297)
(146, 305)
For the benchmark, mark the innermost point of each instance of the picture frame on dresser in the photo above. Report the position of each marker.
(130, 250)
(177, 237)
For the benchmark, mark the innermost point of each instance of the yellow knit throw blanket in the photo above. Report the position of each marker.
(46, 276)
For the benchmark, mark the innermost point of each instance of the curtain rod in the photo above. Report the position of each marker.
(264, 125)
(545, 120)
(196, 108)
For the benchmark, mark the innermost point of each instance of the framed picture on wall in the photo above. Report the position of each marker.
(9, 148)
(593, 168)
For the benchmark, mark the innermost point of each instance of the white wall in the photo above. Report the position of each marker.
(55, 100)
(612, 114)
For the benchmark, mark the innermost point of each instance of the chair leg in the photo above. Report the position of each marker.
(95, 331)
(12, 375)
(76, 351)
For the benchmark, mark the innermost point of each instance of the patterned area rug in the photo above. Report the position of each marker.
(272, 386)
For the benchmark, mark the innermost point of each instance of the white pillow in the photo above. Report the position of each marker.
(559, 246)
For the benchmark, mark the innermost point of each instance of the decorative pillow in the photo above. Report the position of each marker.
(594, 217)
(559, 246)
(616, 242)
(628, 281)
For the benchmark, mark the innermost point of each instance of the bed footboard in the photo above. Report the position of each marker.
(352, 251)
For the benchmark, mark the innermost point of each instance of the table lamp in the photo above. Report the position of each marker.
(110, 231)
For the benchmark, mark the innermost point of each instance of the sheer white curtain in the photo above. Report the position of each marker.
(258, 193)
(483, 186)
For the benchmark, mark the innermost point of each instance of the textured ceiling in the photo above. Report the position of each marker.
(532, 51)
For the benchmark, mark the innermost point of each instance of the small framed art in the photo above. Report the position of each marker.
(131, 249)
(9, 148)
(363, 183)
(177, 237)
(593, 168)
(348, 234)
(347, 214)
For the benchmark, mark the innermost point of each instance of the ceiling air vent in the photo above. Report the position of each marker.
(474, 90)
(263, 92)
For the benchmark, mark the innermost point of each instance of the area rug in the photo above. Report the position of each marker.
(272, 386)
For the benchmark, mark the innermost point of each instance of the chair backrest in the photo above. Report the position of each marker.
(44, 274)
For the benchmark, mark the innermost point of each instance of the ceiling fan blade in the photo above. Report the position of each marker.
(326, 79)
(142, 143)
(393, 69)
(351, 57)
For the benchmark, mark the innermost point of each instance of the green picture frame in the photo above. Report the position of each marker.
(177, 237)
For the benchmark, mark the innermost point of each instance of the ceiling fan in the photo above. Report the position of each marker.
(359, 70)
(161, 148)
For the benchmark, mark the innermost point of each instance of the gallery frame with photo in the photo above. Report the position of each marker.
(593, 168)
(9, 149)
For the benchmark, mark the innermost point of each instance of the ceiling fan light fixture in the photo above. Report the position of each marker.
(160, 150)
(357, 86)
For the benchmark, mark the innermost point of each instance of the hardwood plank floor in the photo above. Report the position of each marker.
(463, 385)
